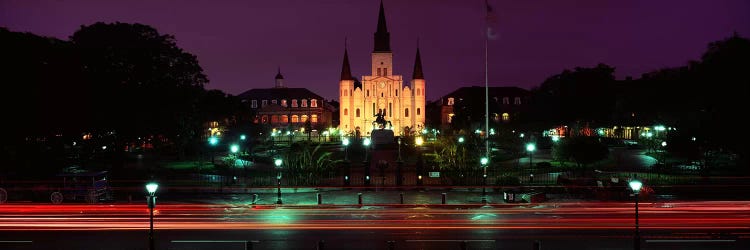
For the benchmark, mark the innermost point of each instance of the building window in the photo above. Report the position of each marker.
(254, 104)
(506, 101)
(368, 92)
(450, 117)
(314, 118)
(346, 111)
(273, 102)
(294, 103)
(274, 119)
(373, 108)
(517, 101)
(304, 118)
(283, 102)
(406, 112)
(418, 111)
(264, 103)
(284, 118)
(264, 119)
(314, 103)
(506, 117)
(385, 71)
(390, 109)
(304, 102)
(397, 92)
(357, 112)
(381, 94)
(450, 101)
(295, 119)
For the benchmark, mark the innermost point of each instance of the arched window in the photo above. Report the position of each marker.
(314, 119)
(406, 112)
(295, 119)
(284, 118)
(304, 102)
(506, 117)
(346, 111)
(357, 112)
(314, 103)
(418, 111)
(283, 102)
(274, 119)
(304, 118)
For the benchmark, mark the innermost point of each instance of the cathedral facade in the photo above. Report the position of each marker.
(382, 93)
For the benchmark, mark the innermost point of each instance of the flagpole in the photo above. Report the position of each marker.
(486, 87)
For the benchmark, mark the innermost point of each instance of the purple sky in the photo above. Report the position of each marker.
(239, 43)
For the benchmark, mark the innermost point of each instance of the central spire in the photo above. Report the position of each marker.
(382, 37)
(346, 71)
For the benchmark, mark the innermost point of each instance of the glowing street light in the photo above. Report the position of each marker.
(530, 148)
(461, 139)
(213, 140)
(243, 137)
(345, 142)
(234, 148)
(278, 163)
(151, 200)
(555, 138)
(636, 185)
(484, 161)
(366, 142)
(419, 141)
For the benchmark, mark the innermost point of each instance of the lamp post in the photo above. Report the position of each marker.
(213, 141)
(399, 149)
(151, 200)
(664, 153)
(484, 161)
(366, 142)
(636, 185)
(278, 163)
(530, 148)
(345, 142)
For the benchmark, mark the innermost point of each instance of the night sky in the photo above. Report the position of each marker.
(240, 43)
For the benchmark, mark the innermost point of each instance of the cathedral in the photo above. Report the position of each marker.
(382, 93)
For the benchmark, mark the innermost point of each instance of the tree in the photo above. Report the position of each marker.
(141, 82)
(586, 149)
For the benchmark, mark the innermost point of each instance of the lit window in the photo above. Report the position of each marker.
(304, 118)
(517, 101)
(450, 101)
(314, 119)
(506, 100)
(314, 103)
(264, 119)
(283, 102)
(254, 104)
(304, 102)
(284, 118)
(506, 117)
(295, 119)
(274, 119)
(294, 103)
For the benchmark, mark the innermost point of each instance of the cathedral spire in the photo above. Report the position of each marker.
(346, 71)
(382, 37)
(418, 66)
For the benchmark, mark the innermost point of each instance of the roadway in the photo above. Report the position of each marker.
(572, 225)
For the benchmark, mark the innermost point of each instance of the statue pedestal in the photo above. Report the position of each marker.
(382, 136)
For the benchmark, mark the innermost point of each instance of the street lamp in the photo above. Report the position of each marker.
(530, 147)
(345, 142)
(484, 161)
(399, 149)
(366, 143)
(234, 148)
(461, 139)
(636, 185)
(243, 137)
(278, 163)
(151, 200)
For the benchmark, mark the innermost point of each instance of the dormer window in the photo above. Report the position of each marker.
(294, 103)
(517, 101)
(254, 104)
(450, 101)
(314, 103)
(273, 102)
(304, 102)
(506, 100)
(283, 102)
(264, 103)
